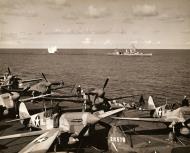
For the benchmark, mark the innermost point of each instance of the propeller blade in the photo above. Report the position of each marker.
(44, 77)
(83, 131)
(106, 82)
(25, 91)
(9, 71)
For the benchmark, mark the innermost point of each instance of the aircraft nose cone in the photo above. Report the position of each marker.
(15, 95)
(92, 119)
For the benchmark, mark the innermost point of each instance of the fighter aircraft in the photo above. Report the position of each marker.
(95, 98)
(12, 83)
(10, 100)
(121, 138)
(52, 126)
(174, 119)
(46, 86)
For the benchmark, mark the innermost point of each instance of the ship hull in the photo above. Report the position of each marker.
(148, 54)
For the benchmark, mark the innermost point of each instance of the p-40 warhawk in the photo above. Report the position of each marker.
(171, 118)
(75, 123)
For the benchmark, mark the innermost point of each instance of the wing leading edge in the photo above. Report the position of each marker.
(161, 120)
(39, 145)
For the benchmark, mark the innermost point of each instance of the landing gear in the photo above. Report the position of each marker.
(55, 148)
(172, 135)
(58, 141)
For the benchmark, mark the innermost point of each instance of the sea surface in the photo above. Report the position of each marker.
(166, 74)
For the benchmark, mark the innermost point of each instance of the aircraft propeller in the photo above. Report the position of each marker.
(44, 77)
(52, 83)
(9, 71)
(105, 84)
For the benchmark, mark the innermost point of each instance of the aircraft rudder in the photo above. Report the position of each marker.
(151, 104)
(23, 111)
(117, 141)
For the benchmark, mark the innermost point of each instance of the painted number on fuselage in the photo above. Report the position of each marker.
(118, 139)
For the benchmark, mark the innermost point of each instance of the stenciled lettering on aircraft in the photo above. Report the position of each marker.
(118, 139)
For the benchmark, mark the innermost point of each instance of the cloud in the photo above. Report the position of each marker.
(21, 13)
(148, 42)
(134, 41)
(56, 3)
(96, 12)
(2, 21)
(87, 41)
(145, 10)
(9, 35)
(9, 42)
(8, 4)
(70, 16)
(107, 42)
(172, 18)
(187, 31)
(59, 2)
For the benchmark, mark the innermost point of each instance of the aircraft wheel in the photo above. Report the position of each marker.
(187, 123)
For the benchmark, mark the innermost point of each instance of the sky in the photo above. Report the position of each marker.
(149, 24)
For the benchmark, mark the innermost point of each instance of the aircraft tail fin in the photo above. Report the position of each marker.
(23, 111)
(117, 141)
(151, 105)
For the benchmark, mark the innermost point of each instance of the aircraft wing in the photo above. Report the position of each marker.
(64, 98)
(32, 80)
(15, 120)
(37, 97)
(161, 120)
(109, 113)
(122, 97)
(42, 143)
(28, 134)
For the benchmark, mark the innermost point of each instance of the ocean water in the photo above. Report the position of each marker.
(164, 75)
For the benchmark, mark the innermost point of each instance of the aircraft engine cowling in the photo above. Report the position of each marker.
(73, 140)
(184, 131)
(6, 112)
